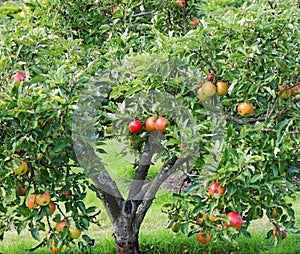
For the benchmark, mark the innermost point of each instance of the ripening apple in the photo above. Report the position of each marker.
(54, 248)
(74, 232)
(194, 22)
(201, 95)
(19, 169)
(285, 93)
(176, 227)
(52, 207)
(235, 220)
(61, 225)
(215, 189)
(201, 218)
(30, 202)
(135, 126)
(245, 108)
(222, 88)
(208, 89)
(296, 90)
(180, 3)
(43, 199)
(108, 129)
(161, 124)
(150, 123)
(210, 76)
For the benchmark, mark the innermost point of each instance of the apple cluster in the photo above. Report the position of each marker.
(44, 200)
(234, 219)
(231, 219)
(152, 123)
(212, 87)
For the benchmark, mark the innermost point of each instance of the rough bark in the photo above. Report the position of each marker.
(127, 245)
(126, 233)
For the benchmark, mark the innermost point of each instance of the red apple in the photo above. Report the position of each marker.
(135, 126)
(203, 237)
(150, 123)
(161, 124)
(52, 207)
(22, 190)
(43, 199)
(194, 22)
(235, 220)
(180, 3)
(210, 76)
(215, 189)
(31, 202)
(54, 248)
(61, 225)
(67, 193)
(115, 8)
(109, 34)
(279, 232)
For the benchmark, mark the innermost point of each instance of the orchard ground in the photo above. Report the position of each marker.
(156, 238)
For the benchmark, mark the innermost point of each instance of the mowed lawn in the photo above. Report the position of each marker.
(154, 236)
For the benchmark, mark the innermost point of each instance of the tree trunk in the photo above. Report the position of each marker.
(126, 233)
(130, 246)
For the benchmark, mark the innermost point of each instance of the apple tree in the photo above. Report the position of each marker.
(75, 69)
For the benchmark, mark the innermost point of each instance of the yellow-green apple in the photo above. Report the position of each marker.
(43, 199)
(74, 232)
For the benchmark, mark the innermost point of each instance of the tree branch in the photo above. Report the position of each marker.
(164, 172)
(109, 194)
(141, 171)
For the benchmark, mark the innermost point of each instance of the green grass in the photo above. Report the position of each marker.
(155, 238)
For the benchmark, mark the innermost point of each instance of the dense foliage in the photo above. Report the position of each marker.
(64, 46)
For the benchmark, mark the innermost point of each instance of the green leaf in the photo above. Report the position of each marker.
(192, 188)
(35, 234)
(184, 227)
(256, 178)
(246, 233)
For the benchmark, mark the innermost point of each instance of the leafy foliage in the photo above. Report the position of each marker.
(63, 47)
